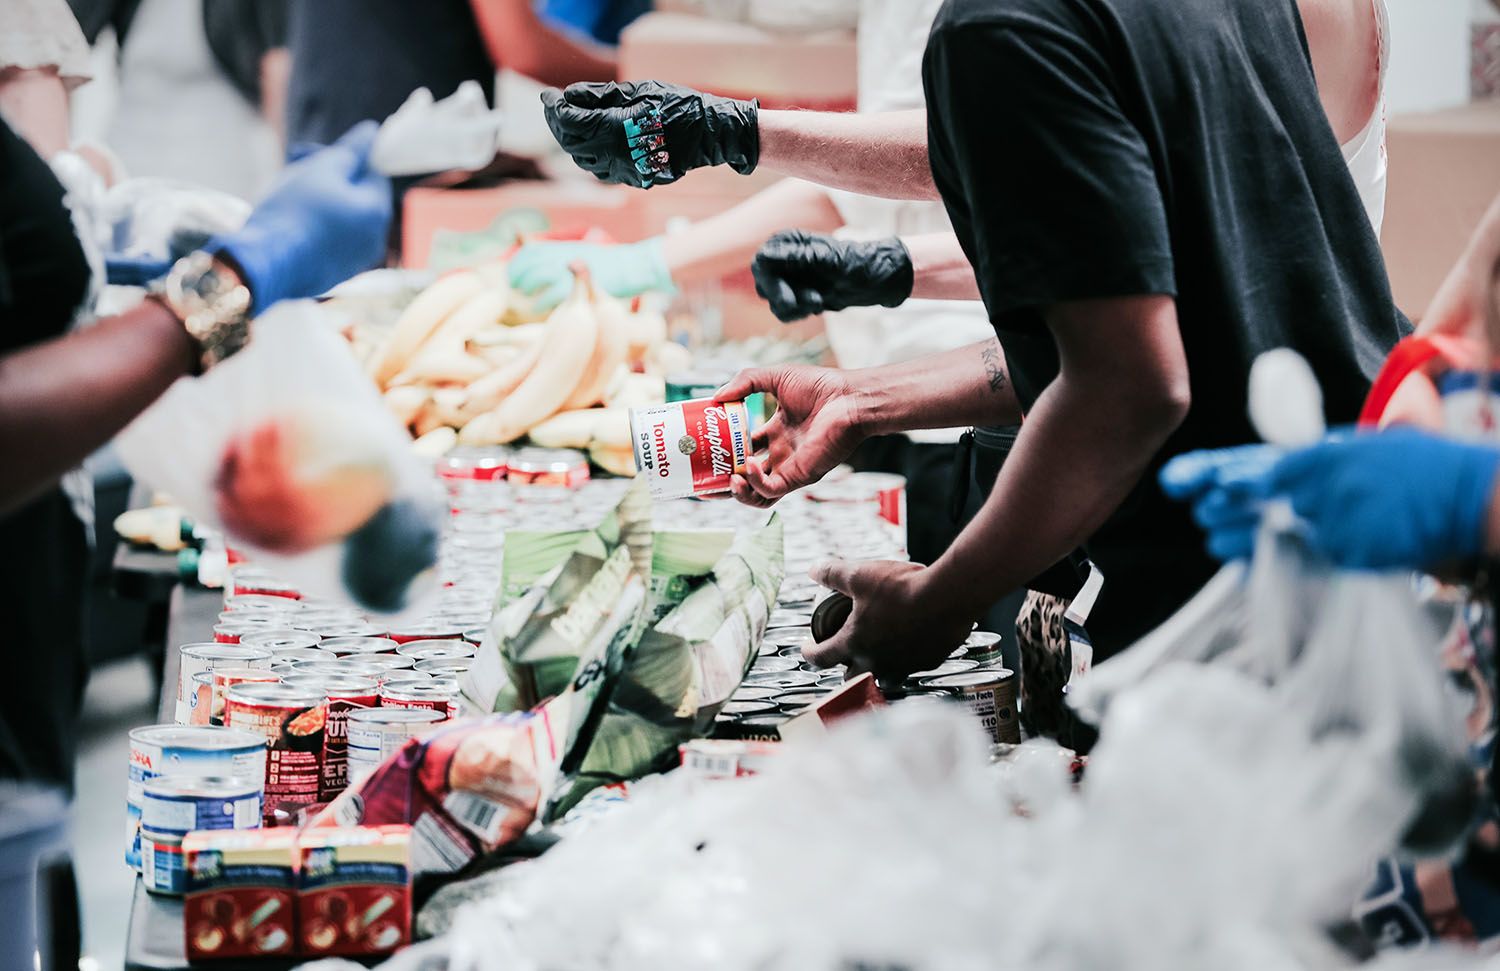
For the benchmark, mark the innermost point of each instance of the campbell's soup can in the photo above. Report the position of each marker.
(158, 750)
(221, 678)
(230, 631)
(565, 467)
(391, 665)
(340, 667)
(375, 734)
(292, 655)
(438, 694)
(253, 602)
(690, 448)
(285, 639)
(429, 630)
(475, 463)
(194, 659)
(990, 693)
(347, 646)
(440, 666)
(425, 650)
(292, 720)
(342, 696)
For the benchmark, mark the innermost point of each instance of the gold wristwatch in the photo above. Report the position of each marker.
(211, 302)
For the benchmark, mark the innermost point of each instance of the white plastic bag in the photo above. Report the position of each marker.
(426, 136)
(1352, 655)
(289, 442)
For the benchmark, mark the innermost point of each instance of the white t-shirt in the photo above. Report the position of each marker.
(892, 38)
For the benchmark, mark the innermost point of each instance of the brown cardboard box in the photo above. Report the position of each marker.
(814, 71)
(1444, 171)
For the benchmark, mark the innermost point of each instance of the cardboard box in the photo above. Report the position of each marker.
(816, 71)
(1444, 172)
(241, 894)
(353, 890)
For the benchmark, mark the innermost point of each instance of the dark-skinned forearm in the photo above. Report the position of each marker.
(967, 386)
(1072, 465)
(1087, 440)
(62, 399)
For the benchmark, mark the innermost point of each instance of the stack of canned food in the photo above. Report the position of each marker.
(296, 698)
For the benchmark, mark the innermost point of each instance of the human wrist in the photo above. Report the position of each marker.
(947, 587)
(654, 260)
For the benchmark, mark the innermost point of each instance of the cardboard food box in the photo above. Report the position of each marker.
(1444, 172)
(815, 70)
(241, 893)
(353, 890)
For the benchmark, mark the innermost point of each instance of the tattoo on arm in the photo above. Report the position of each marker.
(994, 372)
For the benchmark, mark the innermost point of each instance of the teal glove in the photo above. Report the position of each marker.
(544, 272)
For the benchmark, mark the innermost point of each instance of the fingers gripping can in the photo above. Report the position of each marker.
(690, 448)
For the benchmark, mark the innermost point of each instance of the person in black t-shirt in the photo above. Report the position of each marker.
(1150, 194)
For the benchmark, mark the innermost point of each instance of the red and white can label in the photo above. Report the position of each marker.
(690, 448)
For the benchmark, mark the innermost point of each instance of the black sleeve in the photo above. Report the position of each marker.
(1059, 187)
(239, 33)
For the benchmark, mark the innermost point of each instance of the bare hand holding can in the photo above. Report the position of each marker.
(816, 426)
(897, 624)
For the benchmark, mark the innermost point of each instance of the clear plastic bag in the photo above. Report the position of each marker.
(287, 447)
(1354, 657)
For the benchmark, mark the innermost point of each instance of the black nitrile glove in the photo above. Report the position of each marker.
(800, 274)
(646, 133)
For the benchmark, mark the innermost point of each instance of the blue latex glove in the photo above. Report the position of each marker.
(542, 269)
(1226, 487)
(325, 220)
(1397, 499)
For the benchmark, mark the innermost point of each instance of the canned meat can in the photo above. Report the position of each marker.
(425, 650)
(690, 448)
(548, 467)
(195, 658)
(375, 734)
(158, 750)
(292, 721)
(346, 646)
(162, 869)
(438, 694)
(990, 694)
(343, 696)
(221, 678)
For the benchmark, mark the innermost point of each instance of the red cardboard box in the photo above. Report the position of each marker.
(353, 890)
